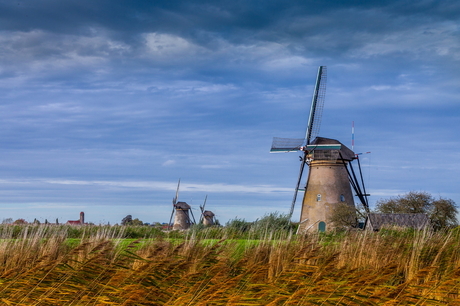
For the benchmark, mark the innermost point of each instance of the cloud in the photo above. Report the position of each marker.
(168, 47)
(436, 40)
(157, 185)
(40, 51)
(169, 162)
(217, 166)
(211, 188)
(111, 105)
(386, 193)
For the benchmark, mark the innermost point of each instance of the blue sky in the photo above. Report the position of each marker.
(106, 104)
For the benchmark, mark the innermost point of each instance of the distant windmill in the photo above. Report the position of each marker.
(181, 212)
(207, 216)
(329, 179)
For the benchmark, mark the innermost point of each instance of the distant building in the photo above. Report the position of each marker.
(375, 222)
(208, 217)
(78, 222)
(182, 219)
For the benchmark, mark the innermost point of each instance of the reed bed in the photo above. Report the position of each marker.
(39, 267)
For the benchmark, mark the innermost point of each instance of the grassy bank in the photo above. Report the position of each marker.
(39, 267)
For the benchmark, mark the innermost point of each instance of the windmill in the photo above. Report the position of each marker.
(207, 216)
(180, 211)
(329, 179)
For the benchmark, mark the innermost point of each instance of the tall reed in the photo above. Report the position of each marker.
(38, 266)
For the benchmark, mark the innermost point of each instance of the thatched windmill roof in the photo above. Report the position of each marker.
(375, 222)
(347, 154)
(182, 205)
(208, 213)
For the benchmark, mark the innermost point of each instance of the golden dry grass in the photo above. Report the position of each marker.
(391, 268)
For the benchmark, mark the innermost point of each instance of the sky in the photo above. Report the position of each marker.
(105, 105)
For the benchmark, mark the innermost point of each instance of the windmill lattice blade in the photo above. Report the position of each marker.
(286, 144)
(299, 179)
(205, 199)
(194, 221)
(177, 193)
(170, 219)
(317, 104)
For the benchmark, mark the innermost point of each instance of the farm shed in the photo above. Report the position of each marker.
(374, 222)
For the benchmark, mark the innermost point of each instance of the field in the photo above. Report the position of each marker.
(92, 265)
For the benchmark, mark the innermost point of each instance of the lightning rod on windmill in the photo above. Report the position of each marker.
(352, 135)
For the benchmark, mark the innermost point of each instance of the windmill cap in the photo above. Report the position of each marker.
(208, 213)
(347, 154)
(182, 205)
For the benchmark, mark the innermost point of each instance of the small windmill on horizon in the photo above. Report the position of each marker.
(181, 212)
(207, 216)
(330, 175)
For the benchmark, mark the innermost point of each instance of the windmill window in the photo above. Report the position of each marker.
(342, 198)
(318, 197)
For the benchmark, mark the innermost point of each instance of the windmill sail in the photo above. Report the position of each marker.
(314, 122)
(286, 144)
(174, 202)
(177, 193)
(202, 208)
(317, 104)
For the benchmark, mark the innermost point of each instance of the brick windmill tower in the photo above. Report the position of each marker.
(330, 177)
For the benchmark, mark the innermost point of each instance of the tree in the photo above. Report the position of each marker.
(272, 222)
(7, 221)
(410, 203)
(137, 222)
(442, 212)
(344, 216)
(127, 220)
(240, 225)
(20, 221)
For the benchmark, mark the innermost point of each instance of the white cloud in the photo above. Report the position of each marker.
(30, 58)
(163, 186)
(386, 192)
(214, 88)
(219, 166)
(168, 46)
(169, 162)
(54, 206)
(61, 107)
(287, 63)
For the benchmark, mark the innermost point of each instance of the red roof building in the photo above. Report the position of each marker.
(78, 222)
